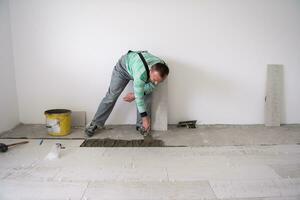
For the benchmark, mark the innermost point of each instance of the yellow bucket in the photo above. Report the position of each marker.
(58, 122)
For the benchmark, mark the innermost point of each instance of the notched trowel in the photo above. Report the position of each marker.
(143, 132)
(147, 134)
(187, 124)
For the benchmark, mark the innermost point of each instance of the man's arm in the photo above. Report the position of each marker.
(149, 87)
(139, 91)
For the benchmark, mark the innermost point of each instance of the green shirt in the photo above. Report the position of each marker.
(141, 85)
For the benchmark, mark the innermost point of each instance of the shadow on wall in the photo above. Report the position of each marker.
(190, 85)
(283, 100)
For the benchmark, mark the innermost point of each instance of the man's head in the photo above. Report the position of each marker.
(158, 73)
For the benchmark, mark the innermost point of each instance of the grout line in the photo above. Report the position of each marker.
(83, 194)
(212, 189)
(168, 179)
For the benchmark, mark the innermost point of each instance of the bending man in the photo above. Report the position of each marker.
(146, 71)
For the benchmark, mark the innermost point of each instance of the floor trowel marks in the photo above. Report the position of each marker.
(107, 142)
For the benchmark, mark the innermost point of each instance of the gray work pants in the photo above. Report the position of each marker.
(119, 79)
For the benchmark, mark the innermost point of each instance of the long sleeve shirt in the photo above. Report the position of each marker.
(141, 85)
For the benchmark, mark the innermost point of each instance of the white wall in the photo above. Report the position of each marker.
(8, 96)
(217, 51)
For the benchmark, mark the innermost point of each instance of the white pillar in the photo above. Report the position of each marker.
(159, 111)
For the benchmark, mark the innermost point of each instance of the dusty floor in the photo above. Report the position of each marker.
(231, 163)
(231, 172)
(206, 135)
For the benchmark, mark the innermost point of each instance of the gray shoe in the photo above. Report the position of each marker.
(90, 129)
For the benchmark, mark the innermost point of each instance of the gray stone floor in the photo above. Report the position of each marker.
(205, 135)
(253, 172)
(219, 162)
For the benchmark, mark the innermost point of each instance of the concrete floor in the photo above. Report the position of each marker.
(204, 170)
(231, 172)
(205, 135)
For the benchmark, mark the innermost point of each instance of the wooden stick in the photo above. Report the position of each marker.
(9, 145)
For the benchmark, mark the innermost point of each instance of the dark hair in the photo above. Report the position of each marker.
(162, 69)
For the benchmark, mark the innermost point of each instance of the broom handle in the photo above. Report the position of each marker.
(9, 145)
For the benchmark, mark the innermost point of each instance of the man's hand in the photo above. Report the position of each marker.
(129, 97)
(146, 123)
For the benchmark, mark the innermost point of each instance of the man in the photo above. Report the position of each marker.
(146, 71)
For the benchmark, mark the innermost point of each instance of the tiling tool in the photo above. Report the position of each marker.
(4, 147)
(143, 132)
(187, 124)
